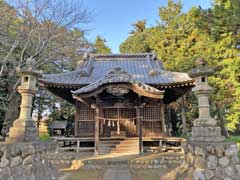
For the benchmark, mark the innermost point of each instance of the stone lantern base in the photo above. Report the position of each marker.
(22, 131)
(207, 134)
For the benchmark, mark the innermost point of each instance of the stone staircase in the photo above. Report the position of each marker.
(124, 146)
(129, 145)
(106, 146)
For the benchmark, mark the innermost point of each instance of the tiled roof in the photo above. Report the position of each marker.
(142, 67)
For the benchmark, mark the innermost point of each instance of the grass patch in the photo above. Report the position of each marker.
(234, 139)
(85, 174)
(44, 137)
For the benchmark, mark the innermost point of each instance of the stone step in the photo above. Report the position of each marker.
(125, 152)
(108, 145)
(109, 142)
(127, 145)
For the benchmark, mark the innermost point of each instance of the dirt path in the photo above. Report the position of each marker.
(117, 174)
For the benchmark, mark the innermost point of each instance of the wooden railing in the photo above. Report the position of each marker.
(165, 144)
(161, 144)
(72, 144)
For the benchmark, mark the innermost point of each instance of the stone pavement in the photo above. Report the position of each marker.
(122, 173)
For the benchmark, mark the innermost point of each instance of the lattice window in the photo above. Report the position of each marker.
(85, 120)
(152, 124)
(121, 113)
(126, 113)
(151, 113)
(85, 113)
(86, 128)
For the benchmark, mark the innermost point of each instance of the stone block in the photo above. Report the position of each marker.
(200, 162)
(212, 162)
(224, 161)
(219, 172)
(199, 151)
(17, 172)
(231, 150)
(6, 174)
(28, 150)
(4, 162)
(227, 178)
(199, 174)
(238, 170)
(208, 139)
(1, 154)
(156, 161)
(206, 131)
(219, 150)
(209, 174)
(235, 160)
(210, 149)
(16, 150)
(229, 171)
(15, 161)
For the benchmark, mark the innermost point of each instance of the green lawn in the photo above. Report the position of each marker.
(44, 137)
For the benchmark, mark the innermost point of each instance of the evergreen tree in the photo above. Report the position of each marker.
(100, 46)
(179, 38)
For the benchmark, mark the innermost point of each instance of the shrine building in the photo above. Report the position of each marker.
(119, 95)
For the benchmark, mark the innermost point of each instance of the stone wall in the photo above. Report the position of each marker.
(210, 161)
(26, 161)
(163, 162)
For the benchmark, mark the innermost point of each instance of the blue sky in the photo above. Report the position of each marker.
(112, 19)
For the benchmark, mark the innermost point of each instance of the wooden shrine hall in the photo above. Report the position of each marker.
(119, 95)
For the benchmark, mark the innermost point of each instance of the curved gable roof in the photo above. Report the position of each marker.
(119, 76)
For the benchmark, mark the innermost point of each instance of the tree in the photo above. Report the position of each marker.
(100, 46)
(46, 30)
(136, 42)
(180, 38)
(139, 26)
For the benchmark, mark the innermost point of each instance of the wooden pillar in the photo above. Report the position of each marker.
(76, 133)
(163, 118)
(140, 135)
(78, 146)
(96, 141)
(118, 123)
(101, 122)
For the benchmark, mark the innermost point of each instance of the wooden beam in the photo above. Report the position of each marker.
(96, 141)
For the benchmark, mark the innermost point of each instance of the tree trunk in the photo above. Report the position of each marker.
(183, 113)
(222, 121)
(11, 114)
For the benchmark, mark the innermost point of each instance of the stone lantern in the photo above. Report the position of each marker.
(24, 128)
(205, 127)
